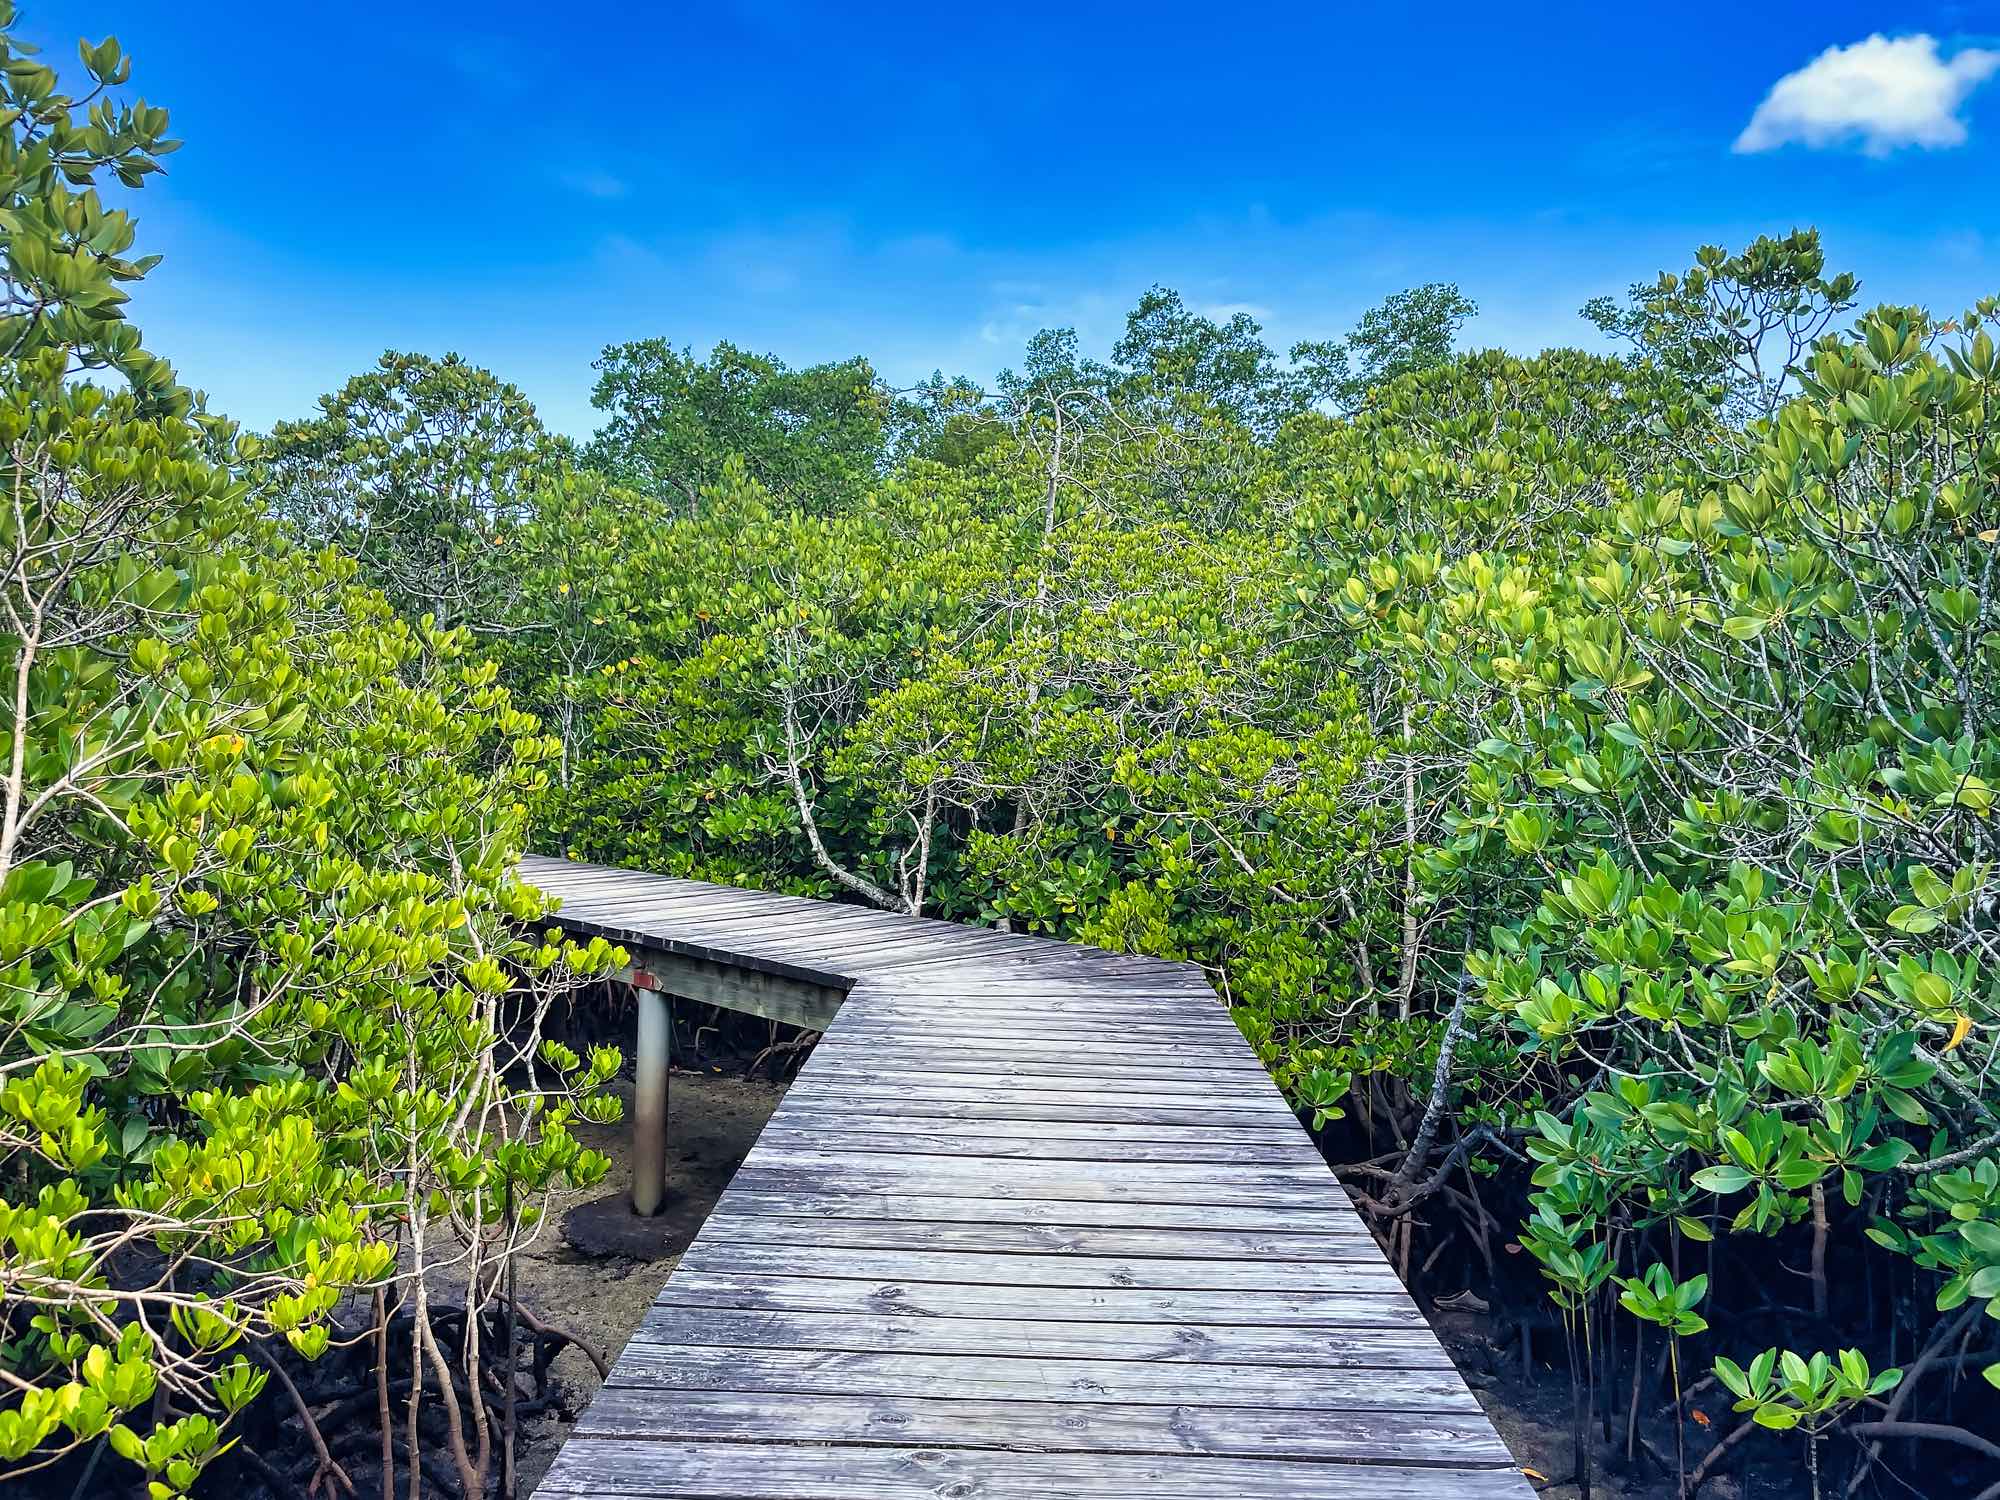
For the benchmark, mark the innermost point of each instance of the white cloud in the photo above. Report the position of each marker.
(1883, 93)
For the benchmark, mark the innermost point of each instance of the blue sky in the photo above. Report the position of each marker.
(929, 185)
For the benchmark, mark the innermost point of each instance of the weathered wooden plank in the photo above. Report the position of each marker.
(648, 1366)
(889, 1172)
(1273, 1135)
(985, 1039)
(859, 1177)
(945, 1032)
(1023, 1269)
(745, 935)
(672, 910)
(836, 1068)
(1082, 1010)
(1048, 1239)
(791, 1198)
(573, 874)
(748, 917)
(886, 1101)
(1049, 1304)
(1192, 1147)
(1161, 1027)
(1035, 968)
(1161, 1098)
(947, 1046)
(1029, 1044)
(1168, 1345)
(901, 934)
(905, 996)
(602, 886)
(1451, 1440)
(1096, 1000)
(1049, 970)
(1008, 1173)
(738, 1470)
(845, 1065)
(833, 943)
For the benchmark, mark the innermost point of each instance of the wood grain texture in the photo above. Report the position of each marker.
(1039, 1377)
(777, 1470)
(1026, 1269)
(1294, 1248)
(1307, 1350)
(1360, 1433)
(1031, 1223)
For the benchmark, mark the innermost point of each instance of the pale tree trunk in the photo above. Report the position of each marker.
(861, 885)
(1406, 987)
(17, 758)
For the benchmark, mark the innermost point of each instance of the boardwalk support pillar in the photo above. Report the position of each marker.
(649, 1102)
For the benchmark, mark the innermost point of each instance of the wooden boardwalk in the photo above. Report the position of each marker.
(1032, 1222)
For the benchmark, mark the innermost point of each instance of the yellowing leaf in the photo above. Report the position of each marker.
(1961, 1028)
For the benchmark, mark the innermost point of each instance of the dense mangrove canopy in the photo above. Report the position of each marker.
(1576, 771)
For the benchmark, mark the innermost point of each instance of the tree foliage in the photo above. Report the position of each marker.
(420, 469)
(66, 254)
(270, 991)
(1407, 332)
(1734, 327)
(672, 422)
